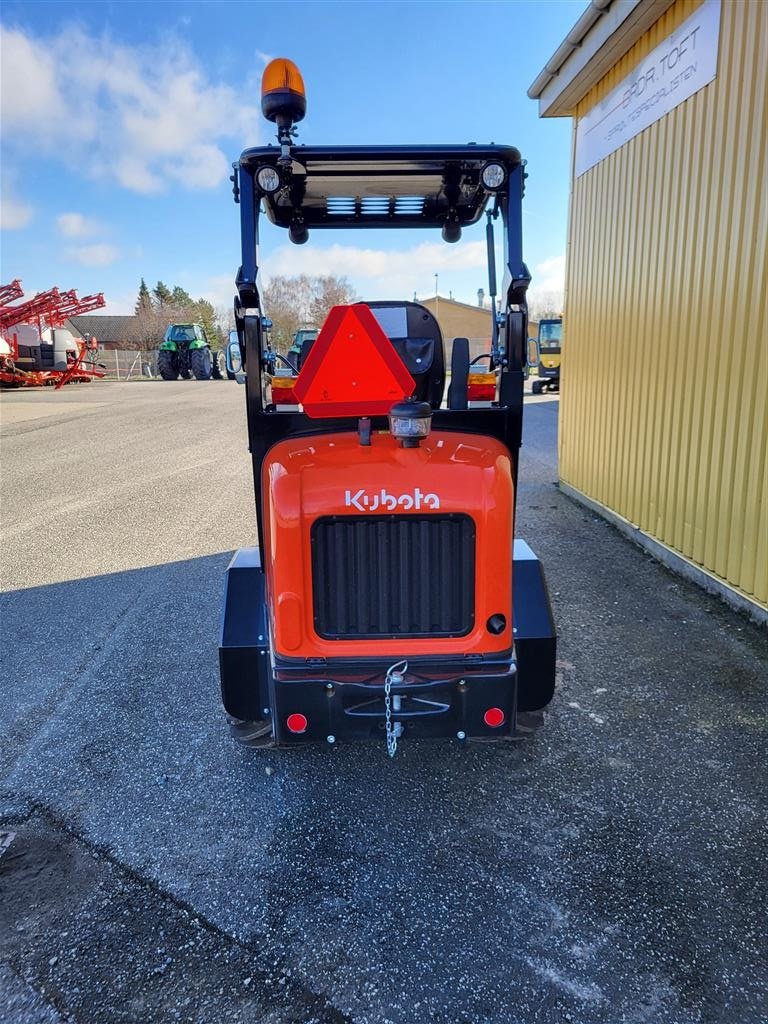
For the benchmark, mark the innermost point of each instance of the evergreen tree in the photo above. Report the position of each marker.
(144, 301)
(181, 298)
(163, 295)
(205, 315)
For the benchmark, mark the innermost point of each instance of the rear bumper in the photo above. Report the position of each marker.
(349, 706)
(343, 700)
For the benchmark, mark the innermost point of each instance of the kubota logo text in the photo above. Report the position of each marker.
(365, 502)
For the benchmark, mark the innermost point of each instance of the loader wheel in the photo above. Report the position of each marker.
(167, 364)
(219, 365)
(536, 387)
(201, 363)
(256, 735)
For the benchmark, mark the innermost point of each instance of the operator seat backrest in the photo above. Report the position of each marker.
(306, 347)
(416, 337)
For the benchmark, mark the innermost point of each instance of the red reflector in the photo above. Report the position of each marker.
(352, 368)
(284, 396)
(481, 392)
(296, 723)
(494, 717)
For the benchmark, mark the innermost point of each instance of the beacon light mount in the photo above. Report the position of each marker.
(283, 101)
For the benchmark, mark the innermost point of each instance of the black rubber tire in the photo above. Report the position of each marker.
(256, 735)
(219, 365)
(536, 387)
(201, 363)
(167, 364)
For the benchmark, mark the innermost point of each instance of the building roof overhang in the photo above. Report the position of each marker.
(603, 34)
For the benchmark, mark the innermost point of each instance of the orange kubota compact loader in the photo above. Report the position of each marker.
(387, 597)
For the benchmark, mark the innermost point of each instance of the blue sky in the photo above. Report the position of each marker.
(119, 121)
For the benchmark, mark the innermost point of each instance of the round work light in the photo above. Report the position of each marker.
(268, 179)
(410, 421)
(493, 176)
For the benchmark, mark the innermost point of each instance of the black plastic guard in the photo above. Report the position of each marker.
(243, 643)
(350, 705)
(534, 631)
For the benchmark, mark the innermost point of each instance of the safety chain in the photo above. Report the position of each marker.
(395, 674)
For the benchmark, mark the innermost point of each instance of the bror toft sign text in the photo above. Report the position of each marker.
(684, 63)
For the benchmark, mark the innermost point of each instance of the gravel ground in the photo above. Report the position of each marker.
(609, 868)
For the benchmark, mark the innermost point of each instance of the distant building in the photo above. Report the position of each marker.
(109, 331)
(462, 320)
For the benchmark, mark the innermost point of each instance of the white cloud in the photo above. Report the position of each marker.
(98, 255)
(120, 304)
(378, 273)
(14, 214)
(146, 115)
(204, 167)
(220, 290)
(349, 260)
(38, 96)
(75, 225)
(549, 275)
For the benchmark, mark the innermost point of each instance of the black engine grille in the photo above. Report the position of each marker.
(393, 576)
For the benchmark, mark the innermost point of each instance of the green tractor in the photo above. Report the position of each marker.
(185, 352)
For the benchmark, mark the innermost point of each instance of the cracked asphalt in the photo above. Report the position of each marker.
(609, 868)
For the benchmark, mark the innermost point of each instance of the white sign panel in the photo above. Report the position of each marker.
(684, 63)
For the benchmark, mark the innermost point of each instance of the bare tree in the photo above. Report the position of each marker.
(225, 318)
(303, 301)
(326, 292)
(151, 323)
(545, 305)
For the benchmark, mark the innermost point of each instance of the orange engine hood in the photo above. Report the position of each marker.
(333, 475)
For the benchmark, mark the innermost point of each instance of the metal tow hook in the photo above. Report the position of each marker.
(395, 674)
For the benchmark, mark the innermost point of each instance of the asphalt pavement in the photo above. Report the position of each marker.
(608, 868)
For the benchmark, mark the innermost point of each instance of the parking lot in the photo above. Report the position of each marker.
(608, 868)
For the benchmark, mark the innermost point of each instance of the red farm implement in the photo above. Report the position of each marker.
(35, 349)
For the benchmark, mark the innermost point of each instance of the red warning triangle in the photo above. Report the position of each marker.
(352, 369)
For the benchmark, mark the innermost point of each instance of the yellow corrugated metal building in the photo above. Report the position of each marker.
(664, 395)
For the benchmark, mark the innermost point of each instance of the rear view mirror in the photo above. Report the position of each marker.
(533, 352)
(234, 358)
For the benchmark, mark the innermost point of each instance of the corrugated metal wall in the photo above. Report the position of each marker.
(664, 405)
